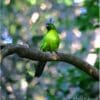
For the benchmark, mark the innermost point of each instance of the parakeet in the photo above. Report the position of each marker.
(50, 42)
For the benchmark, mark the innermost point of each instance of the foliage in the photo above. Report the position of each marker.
(91, 18)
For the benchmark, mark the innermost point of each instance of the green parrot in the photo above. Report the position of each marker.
(50, 42)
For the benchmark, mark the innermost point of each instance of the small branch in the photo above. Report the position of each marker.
(34, 54)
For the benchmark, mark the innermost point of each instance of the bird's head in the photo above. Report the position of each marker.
(50, 24)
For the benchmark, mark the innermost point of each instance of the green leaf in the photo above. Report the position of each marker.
(68, 2)
(32, 2)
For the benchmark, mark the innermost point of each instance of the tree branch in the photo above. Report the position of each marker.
(34, 54)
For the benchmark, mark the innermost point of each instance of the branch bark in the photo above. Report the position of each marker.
(34, 54)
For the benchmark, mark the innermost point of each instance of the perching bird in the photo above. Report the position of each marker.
(50, 43)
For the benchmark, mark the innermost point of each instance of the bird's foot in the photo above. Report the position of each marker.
(54, 54)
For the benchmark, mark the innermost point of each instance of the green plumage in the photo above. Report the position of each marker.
(50, 43)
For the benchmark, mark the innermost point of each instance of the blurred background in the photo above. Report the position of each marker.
(23, 22)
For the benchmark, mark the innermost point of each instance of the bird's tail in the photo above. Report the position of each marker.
(39, 68)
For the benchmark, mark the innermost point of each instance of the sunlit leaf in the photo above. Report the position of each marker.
(68, 2)
(12, 29)
(32, 2)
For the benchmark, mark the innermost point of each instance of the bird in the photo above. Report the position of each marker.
(49, 43)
